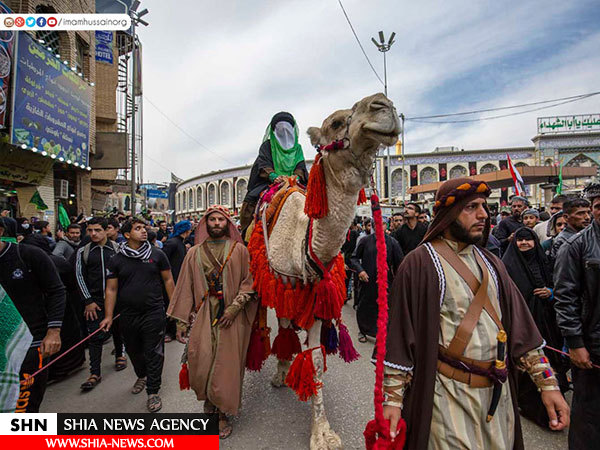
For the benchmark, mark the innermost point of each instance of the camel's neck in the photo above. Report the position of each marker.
(329, 233)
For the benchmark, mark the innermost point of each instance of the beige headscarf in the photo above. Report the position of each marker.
(202, 228)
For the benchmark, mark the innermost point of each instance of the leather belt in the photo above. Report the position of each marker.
(464, 376)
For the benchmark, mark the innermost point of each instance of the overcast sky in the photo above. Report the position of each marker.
(221, 69)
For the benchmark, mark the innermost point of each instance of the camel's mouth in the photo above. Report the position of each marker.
(386, 135)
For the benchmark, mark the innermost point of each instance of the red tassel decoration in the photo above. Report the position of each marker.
(362, 197)
(184, 377)
(327, 304)
(286, 344)
(301, 376)
(374, 440)
(347, 351)
(316, 206)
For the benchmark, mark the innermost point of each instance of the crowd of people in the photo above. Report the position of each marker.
(142, 283)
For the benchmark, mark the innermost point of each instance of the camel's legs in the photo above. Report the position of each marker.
(322, 436)
(283, 367)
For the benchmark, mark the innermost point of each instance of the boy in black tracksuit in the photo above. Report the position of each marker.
(136, 277)
(91, 266)
(33, 284)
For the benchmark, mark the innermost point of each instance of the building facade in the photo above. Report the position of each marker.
(44, 155)
(577, 147)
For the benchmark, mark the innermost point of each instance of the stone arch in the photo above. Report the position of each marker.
(457, 172)
(190, 205)
(184, 201)
(428, 175)
(549, 162)
(399, 176)
(200, 198)
(225, 193)
(581, 160)
(487, 168)
(211, 196)
(241, 188)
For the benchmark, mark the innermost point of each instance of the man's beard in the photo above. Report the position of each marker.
(217, 232)
(459, 232)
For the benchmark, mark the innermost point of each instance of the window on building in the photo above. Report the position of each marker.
(225, 193)
(487, 168)
(83, 51)
(241, 190)
(190, 201)
(457, 172)
(212, 194)
(184, 200)
(428, 175)
(399, 176)
(51, 38)
(200, 198)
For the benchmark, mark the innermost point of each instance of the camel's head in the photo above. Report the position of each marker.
(371, 122)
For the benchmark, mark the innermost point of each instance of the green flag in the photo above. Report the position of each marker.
(559, 188)
(15, 340)
(63, 217)
(38, 202)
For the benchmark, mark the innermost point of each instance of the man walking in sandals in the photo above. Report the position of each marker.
(214, 304)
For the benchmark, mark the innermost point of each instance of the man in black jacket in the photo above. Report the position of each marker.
(577, 215)
(577, 304)
(412, 232)
(175, 250)
(32, 282)
(91, 263)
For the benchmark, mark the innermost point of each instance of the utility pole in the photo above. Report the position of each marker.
(384, 47)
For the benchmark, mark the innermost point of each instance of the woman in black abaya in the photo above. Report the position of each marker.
(530, 269)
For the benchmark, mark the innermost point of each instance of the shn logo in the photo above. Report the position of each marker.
(29, 425)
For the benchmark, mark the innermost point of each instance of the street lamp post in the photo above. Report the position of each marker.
(384, 47)
(403, 166)
(135, 19)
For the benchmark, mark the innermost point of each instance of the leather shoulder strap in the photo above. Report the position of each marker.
(463, 270)
(465, 329)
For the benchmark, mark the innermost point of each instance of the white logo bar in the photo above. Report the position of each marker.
(11, 424)
(50, 22)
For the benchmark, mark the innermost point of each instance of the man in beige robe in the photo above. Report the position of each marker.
(215, 307)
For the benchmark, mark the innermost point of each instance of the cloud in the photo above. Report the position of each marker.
(222, 70)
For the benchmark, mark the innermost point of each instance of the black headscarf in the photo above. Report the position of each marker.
(530, 269)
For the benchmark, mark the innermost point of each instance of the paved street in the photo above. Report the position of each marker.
(271, 418)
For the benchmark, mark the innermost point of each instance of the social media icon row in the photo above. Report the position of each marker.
(30, 22)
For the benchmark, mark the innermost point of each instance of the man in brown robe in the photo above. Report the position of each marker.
(444, 366)
(214, 305)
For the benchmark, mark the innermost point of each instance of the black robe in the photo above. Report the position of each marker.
(365, 258)
(413, 335)
(263, 166)
(531, 270)
(70, 331)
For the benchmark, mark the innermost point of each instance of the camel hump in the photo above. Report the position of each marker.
(277, 203)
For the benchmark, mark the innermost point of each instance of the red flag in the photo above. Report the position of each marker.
(516, 176)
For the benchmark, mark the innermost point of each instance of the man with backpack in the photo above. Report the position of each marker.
(91, 263)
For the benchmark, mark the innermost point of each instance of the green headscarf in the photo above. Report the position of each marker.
(284, 161)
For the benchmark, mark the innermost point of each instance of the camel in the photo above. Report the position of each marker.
(286, 267)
